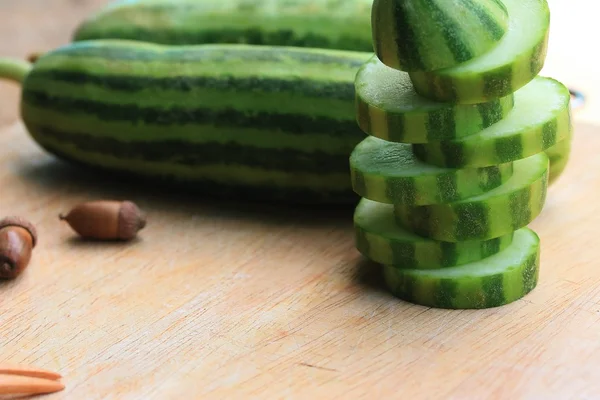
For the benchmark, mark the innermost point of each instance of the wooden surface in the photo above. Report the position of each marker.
(230, 301)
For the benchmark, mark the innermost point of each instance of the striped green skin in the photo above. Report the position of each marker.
(498, 280)
(559, 156)
(515, 61)
(389, 108)
(498, 212)
(383, 241)
(333, 24)
(208, 115)
(427, 35)
(540, 119)
(389, 172)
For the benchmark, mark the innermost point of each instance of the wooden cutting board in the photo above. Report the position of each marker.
(230, 301)
(224, 300)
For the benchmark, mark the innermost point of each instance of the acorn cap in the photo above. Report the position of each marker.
(21, 223)
(131, 220)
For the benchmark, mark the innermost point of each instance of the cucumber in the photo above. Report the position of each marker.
(389, 108)
(495, 213)
(492, 282)
(335, 24)
(257, 122)
(514, 62)
(540, 118)
(383, 241)
(389, 172)
(427, 35)
(559, 156)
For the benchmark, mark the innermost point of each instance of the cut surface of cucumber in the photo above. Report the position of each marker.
(426, 35)
(492, 282)
(516, 60)
(498, 212)
(389, 172)
(388, 107)
(379, 238)
(540, 118)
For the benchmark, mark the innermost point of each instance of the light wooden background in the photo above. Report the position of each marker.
(232, 301)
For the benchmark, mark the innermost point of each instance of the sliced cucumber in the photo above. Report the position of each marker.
(498, 212)
(540, 118)
(495, 281)
(389, 172)
(426, 35)
(389, 108)
(559, 156)
(381, 239)
(516, 60)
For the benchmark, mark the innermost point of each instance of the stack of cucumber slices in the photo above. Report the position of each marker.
(464, 138)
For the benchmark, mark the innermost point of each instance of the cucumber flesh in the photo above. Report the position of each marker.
(382, 240)
(540, 118)
(389, 172)
(426, 35)
(388, 107)
(492, 282)
(498, 212)
(515, 61)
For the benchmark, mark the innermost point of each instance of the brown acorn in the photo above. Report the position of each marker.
(33, 57)
(106, 220)
(18, 237)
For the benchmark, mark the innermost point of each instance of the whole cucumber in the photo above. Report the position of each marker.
(334, 24)
(251, 122)
(330, 24)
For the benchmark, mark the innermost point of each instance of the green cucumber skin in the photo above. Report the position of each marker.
(465, 287)
(450, 85)
(428, 35)
(510, 145)
(332, 24)
(481, 217)
(378, 171)
(381, 240)
(382, 92)
(280, 120)
(559, 155)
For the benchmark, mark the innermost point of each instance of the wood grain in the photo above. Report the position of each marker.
(226, 300)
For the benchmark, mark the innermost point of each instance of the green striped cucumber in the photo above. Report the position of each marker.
(515, 61)
(388, 107)
(335, 24)
(383, 241)
(498, 280)
(495, 213)
(273, 123)
(540, 119)
(428, 35)
(559, 156)
(389, 172)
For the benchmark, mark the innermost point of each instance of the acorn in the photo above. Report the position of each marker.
(33, 57)
(106, 220)
(18, 237)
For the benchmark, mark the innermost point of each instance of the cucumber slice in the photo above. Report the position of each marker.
(540, 119)
(426, 35)
(515, 61)
(389, 172)
(379, 238)
(559, 156)
(498, 212)
(388, 107)
(492, 282)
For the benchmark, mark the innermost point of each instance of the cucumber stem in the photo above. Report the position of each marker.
(14, 69)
